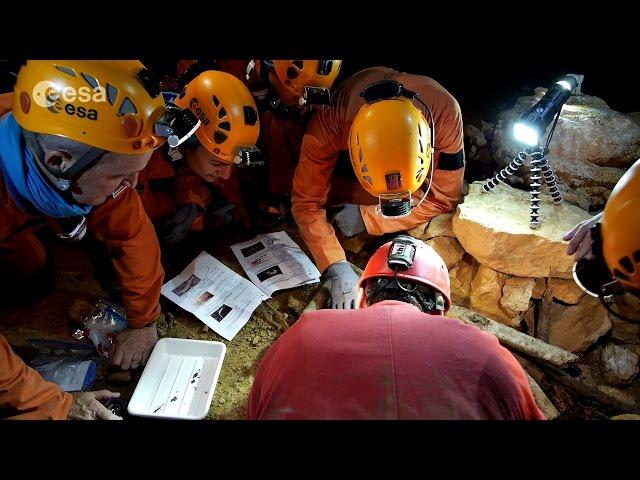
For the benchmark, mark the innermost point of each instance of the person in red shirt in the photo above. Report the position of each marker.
(395, 357)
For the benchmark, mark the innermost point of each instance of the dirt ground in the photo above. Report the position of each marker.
(51, 317)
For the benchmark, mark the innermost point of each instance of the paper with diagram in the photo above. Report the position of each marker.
(274, 262)
(215, 294)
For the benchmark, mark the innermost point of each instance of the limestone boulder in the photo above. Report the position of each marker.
(576, 327)
(461, 276)
(486, 293)
(539, 288)
(625, 332)
(494, 228)
(439, 226)
(618, 365)
(565, 290)
(448, 248)
(516, 293)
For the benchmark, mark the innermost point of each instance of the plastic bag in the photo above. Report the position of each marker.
(65, 363)
(102, 324)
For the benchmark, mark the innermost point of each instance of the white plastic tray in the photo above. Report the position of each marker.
(179, 379)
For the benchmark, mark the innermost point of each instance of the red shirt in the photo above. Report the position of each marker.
(389, 361)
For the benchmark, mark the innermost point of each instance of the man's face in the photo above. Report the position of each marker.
(207, 165)
(112, 171)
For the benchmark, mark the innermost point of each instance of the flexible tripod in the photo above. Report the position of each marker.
(539, 164)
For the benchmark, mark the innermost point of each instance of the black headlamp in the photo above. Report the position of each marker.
(402, 252)
(315, 96)
(177, 125)
(249, 157)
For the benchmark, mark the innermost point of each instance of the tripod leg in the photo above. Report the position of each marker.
(502, 175)
(550, 178)
(535, 185)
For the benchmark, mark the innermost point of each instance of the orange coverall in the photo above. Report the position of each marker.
(317, 185)
(121, 223)
(24, 394)
(280, 138)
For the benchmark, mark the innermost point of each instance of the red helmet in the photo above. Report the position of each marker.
(427, 268)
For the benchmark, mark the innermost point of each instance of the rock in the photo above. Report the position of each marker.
(255, 340)
(626, 416)
(295, 304)
(461, 276)
(634, 348)
(119, 378)
(618, 365)
(516, 293)
(494, 228)
(624, 332)
(448, 248)
(617, 394)
(635, 116)
(576, 327)
(539, 288)
(574, 197)
(591, 147)
(222, 400)
(474, 135)
(486, 292)
(439, 226)
(628, 306)
(354, 244)
(529, 321)
(567, 291)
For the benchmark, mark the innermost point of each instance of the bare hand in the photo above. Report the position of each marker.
(87, 406)
(132, 347)
(580, 239)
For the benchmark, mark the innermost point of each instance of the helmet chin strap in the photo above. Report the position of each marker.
(63, 182)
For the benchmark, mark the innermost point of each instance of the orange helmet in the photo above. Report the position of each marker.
(407, 258)
(391, 152)
(228, 114)
(308, 80)
(621, 230)
(111, 105)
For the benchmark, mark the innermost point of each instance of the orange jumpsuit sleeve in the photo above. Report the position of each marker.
(24, 394)
(446, 188)
(6, 103)
(123, 225)
(311, 185)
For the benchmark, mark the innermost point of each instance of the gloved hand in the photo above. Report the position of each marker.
(580, 239)
(349, 220)
(87, 406)
(344, 285)
(176, 228)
